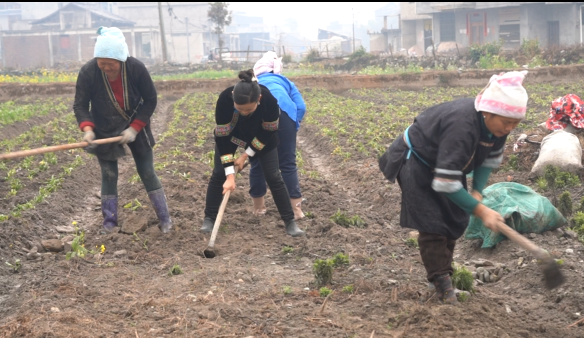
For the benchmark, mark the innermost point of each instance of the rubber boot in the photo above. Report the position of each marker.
(207, 225)
(296, 202)
(292, 229)
(158, 200)
(109, 210)
(444, 289)
(259, 206)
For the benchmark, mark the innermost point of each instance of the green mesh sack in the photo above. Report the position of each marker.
(523, 209)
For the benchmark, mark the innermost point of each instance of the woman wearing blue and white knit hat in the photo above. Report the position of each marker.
(115, 96)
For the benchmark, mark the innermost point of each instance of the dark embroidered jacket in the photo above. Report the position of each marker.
(258, 130)
(95, 103)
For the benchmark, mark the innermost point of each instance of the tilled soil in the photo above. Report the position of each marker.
(261, 283)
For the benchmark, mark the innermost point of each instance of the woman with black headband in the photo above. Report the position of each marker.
(247, 116)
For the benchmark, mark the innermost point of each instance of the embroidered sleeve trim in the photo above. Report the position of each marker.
(257, 144)
(226, 129)
(446, 186)
(237, 141)
(227, 159)
(271, 126)
(493, 162)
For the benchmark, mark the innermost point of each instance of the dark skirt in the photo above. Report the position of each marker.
(422, 208)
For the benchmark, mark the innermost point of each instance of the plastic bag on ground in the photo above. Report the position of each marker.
(560, 149)
(523, 209)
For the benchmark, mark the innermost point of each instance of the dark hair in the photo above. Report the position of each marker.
(247, 90)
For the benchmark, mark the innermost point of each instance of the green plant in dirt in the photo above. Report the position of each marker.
(541, 184)
(287, 290)
(513, 162)
(175, 270)
(142, 242)
(15, 266)
(349, 288)
(476, 51)
(135, 179)
(309, 215)
(578, 225)
(287, 249)
(324, 291)
(413, 242)
(565, 204)
(462, 278)
(133, 205)
(341, 218)
(78, 249)
(463, 297)
(557, 179)
(4, 218)
(560, 261)
(340, 259)
(323, 271)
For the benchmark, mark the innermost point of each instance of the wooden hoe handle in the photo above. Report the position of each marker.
(525, 243)
(51, 149)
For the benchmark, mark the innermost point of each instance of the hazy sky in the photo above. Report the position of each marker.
(310, 16)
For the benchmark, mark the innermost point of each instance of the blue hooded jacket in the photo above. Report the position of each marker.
(289, 98)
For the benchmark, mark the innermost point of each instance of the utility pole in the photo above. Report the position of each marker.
(188, 42)
(162, 34)
(353, 29)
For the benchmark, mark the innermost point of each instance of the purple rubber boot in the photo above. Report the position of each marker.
(158, 200)
(109, 209)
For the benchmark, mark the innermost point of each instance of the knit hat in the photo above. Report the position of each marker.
(504, 95)
(268, 63)
(111, 44)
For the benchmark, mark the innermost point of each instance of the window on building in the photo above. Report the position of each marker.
(447, 27)
(509, 27)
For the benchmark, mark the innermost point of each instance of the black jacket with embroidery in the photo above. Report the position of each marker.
(258, 130)
(450, 137)
(94, 104)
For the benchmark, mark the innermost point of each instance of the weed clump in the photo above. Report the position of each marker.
(324, 291)
(342, 219)
(287, 290)
(340, 259)
(323, 271)
(462, 279)
(348, 288)
(565, 204)
(413, 242)
(175, 270)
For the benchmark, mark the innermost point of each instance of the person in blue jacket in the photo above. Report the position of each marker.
(292, 109)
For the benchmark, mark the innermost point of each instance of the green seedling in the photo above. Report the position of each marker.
(287, 249)
(340, 218)
(462, 279)
(413, 242)
(143, 242)
(133, 205)
(463, 297)
(15, 266)
(175, 270)
(323, 271)
(287, 290)
(78, 249)
(565, 205)
(348, 288)
(340, 259)
(560, 261)
(309, 215)
(324, 291)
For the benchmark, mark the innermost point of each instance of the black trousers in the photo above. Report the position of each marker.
(437, 252)
(271, 169)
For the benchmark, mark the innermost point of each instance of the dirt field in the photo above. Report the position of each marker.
(261, 284)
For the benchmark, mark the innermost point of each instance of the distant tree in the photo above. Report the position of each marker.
(221, 17)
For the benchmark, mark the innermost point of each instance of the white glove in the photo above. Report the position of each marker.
(89, 136)
(128, 135)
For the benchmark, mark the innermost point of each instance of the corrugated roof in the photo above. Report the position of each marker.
(106, 15)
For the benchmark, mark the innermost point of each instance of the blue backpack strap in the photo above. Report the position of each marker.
(409, 144)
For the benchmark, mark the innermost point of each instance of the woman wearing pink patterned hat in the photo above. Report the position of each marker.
(432, 158)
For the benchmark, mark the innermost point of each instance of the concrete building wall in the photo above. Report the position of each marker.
(146, 14)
